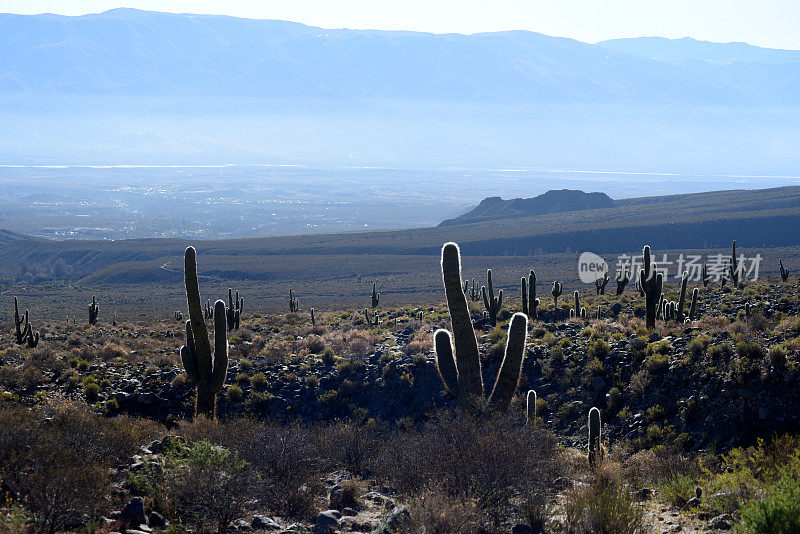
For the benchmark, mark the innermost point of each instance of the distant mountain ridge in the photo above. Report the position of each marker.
(553, 201)
(688, 49)
(140, 53)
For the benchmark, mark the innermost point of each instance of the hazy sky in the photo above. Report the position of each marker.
(771, 23)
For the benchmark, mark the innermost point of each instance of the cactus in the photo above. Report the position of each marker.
(679, 316)
(600, 284)
(639, 288)
(24, 330)
(733, 268)
(571, 313)
(208, 310)
(529, 301)
(493, 304)
(651, 283)
(693, 307)
(94, 309)
(474, 294)
(705, 276)
(583, 313)
(784, 271)
(530, 407)
(558, 288)
(234, 312)
(114, 319)
(748, 309)
(594, 437)
(623, 277)
(313, 320)
(376, 297)
(207, 371)
(178, 316)
(293, 304)
(372, 319)
(467, 382)
(577, 303)
(599, 313)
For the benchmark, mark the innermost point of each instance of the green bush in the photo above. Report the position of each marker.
(778, 511)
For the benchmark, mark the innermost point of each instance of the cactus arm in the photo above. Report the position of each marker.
(508, 377)
(682, 300)
(445, 363)
(525, 308)
(189, 355)
(468, 364)
(220, 366)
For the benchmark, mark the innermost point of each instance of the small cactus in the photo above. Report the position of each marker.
(206, 370)
(376, 297)
(594, 437)
(94, 310)
(558, 288)
(23, 329)
(679, 316)
(734, 270)
(530, 408)
(623, 277)
(784, 271)
(705, 276)
(693, 307)
(313, 320)
(178, 316)
(293, 304)
(493, 304)
(372, 319)
(234, 311)
(577, 303)
(600, 284)
(208, 310)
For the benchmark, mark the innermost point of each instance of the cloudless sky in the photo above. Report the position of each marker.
(772, 23)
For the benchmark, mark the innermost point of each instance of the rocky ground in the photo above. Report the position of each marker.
(721, 381)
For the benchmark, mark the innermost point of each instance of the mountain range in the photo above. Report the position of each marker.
(130, 52)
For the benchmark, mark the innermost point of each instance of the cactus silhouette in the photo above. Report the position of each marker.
(294, 306)
(651, 283)
(733, 268)
(23, 329)
(94, 309)
(529, 301)
(530, 407)
(594, 437)
(784, 271)
(558, 288)
(623, 277)
(492, 303)
(693, 307)
(376, 297)
(679, 316)
(461, 374)
(600, 284)
(206, 370)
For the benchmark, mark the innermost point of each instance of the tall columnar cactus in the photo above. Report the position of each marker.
(94, 309)
(705, 276)
(600, 284)
(594, 437)
(530, 407)
(748, 309)
(558, 288)
(205, 369)
(474, 293)
(733, 267)
(530, 303)
(583, 313)
(233, 314)
(577, 303)
(293, 304)
(461, 374)
(23, 329)
(784, 271)
(313, 320)
(679, 316)
(492, 303)
(651, 282)
(693, 307)
(623, 277)
(376, 297)
(208, 310)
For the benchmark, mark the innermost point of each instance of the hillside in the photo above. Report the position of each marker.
(494, 208)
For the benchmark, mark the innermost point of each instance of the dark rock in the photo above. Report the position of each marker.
(133, 513)
(393, 521)
(643, 494)
(721, 522)
(327, 521)
(263, 522)
(694, 502)
(157, 520)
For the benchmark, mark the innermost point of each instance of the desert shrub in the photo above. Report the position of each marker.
(350, 494)
(777, 357)
(750, 350)
(602, 508)
(207, 484)
(234, 393)
(435, 512)
(258, 380)
(598, 349)
(314, 344)
(485, 459)
(676, 489)
(328, 356)
(778, 510)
